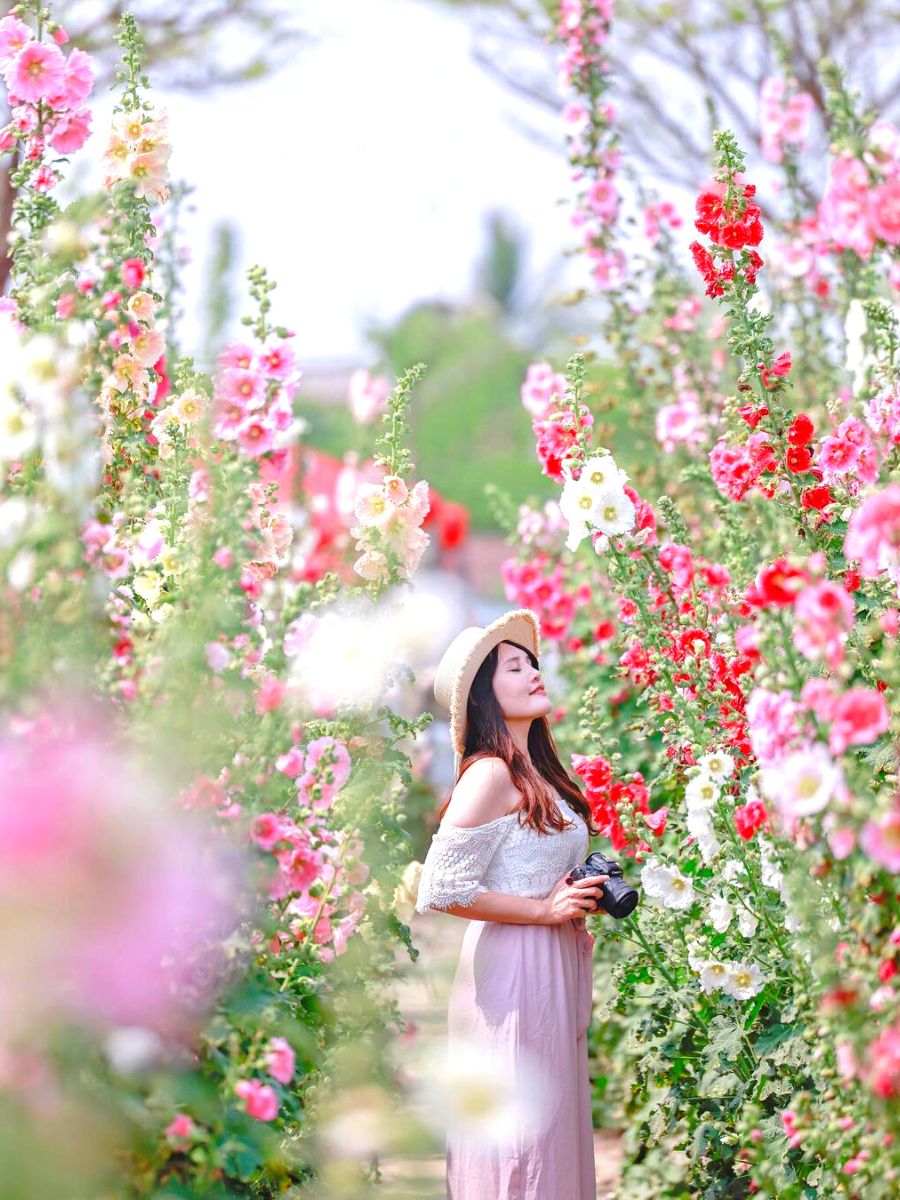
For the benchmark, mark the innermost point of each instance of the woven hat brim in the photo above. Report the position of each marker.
(522, 626)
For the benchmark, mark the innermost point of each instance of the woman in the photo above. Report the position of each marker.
(514, 826)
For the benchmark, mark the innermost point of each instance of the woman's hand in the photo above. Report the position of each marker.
(573, 899)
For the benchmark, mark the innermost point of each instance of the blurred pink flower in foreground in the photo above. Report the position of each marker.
(113, 903)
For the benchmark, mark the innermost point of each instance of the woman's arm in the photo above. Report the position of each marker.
(566, 902)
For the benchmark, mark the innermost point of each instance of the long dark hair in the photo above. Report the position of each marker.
(488, 736)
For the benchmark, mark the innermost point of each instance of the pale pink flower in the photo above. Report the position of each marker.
(259, 1099)
(543, 390)
(238, 356)
(873, 534)
(681, 423)
(277, 360)
(819, 695)
(842, 842)
(395, 489)
(36, 72)
(372, 566)
(884, 211)
(419, 502)
(269, 694)
(14, 37)
(223, 557)
(280, 1060)
(860, 716)
(243, 387)
(149, 173)
(79, 79)
(368, 396)
(218, 656)
(823, 616)
(774, 719)
(291, 763)
(372, 506)
(148, 347)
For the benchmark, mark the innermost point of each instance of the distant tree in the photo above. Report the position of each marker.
(683, 66)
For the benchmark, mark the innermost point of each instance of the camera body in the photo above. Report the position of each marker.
(617, 897)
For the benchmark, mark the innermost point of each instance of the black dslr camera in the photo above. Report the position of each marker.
(617, 897)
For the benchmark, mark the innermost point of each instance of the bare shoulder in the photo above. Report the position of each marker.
(485, 792)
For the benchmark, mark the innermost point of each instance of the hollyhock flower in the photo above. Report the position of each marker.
(280, 1060)
(267, 830)
(778, 584)
(78, 82)
(884, 211)
(713, 975)
(700, 827)
(180, 1129)
(372, 505)
(749, 818)
(255, 436)
(36, 72)
(666, 885)
(860, 715)
(803, 783)
(880, 839)
(14, 37)
(881, 1070)
(701, 793)
(736, 469)
(260, 1100)
(543, 390)
(780, 369)
(681, 423)
(743, 981)
(873, 533)
(720, 913)
(747, 923)
(555, 438)
(373, 567)
(368, 395)
(717, 765)
(823, 618)
(774, 719)
(883, 414)
(70, 131)
(844, 210)
(277, 360)
(597, 498)
(329, 758)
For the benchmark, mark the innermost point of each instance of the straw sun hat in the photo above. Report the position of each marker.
(457, 669)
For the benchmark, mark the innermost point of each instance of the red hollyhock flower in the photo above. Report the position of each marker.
(752, 267)
(778, 583)
(800, 431)
(816, 498)
(656, 821)
(750, 817)
(779, 369)
(753, 414)
(798, 459)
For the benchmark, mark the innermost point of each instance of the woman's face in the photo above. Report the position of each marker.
(517, 685)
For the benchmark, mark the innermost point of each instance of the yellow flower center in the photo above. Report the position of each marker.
(609, 512)
(584, 502)
(598, 478)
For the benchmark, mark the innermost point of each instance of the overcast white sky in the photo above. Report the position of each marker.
(361, 174)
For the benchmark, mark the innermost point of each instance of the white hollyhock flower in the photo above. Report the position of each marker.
(743, 981)
(770, 871)
(803, 782)
(713, 975)
(732, 870)
(720, 913)
(596, 499)
(700, 828)
(667, 885)
(716, 765)
(747, 923)
(701, 792)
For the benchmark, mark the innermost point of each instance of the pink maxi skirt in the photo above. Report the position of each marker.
(522, 995)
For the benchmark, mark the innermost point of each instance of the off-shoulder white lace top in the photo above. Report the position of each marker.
(500, 856)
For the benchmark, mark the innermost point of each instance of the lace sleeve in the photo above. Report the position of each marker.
(456, 861)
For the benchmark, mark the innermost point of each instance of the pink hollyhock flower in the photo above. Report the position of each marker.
(882, 1066)
(255, 436)
(36, 72)
(267, 830)
(681, 423)
(269, 694)
(873, 533)
(543, 390)
(133, 272)
(842, 843)
(65, 305)
(218, 656)
(260, 1100)
(290, 764)
(180, 1129)
(884, 211)
(819, 695)
(823, 616)
(860, 716)
(280, 1060)
(331, 758)
(238, 356)
(368, 395)
(775, 724)
(880, 839)
(71, 131)
(223, 557)
(277, 360)
(79, 80)
(14, 37)
(314, 792)
(242, 387)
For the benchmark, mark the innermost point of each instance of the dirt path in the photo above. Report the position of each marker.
(421, 992)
